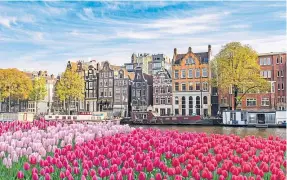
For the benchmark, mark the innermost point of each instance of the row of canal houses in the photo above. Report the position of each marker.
(180, 90)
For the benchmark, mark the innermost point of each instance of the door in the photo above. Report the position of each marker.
(261, 118)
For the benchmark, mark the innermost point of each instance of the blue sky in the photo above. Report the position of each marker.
(45, 35)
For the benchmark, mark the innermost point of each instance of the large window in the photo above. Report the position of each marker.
(183, 74)
(205, 86)
(266, 74)
(175, 74)
(190, 75)
(156, 100)
(251, 102)
(183, 110)
(198, 86)
(176, 100)
(190, 99)
(265, 61)
(190, 86)
(197, 105)
(176, 86)
(265, 102)
(205, 100)
(183, 87)
(197, 73)
(204, 72)
(162, 100)
(189, 61)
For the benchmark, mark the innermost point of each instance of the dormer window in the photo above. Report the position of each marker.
(190, 61)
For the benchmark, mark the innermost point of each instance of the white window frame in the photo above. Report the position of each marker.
(265, 101)
(190, 73)
(251, 99)
(183, 74)
(176, 74)
(196, 73)
(204, 70)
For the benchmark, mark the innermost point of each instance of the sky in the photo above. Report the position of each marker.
(46, 35)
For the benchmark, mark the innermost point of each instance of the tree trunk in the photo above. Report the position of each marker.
(69, 106)
(9, 103)
(235, 97)
(36, 112)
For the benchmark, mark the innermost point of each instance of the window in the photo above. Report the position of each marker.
(197, 100)
(190, 75)
(175, 74)
(156, 100)
(205, 86)
(176, 100)
(283, 99)
(251, 102)
(190, 86)
(143, 92)
(110, 92)
(101, 82)
(266, 74)
(278, 73)
(105, 82)
(224, 100)
(265, 102)
(111, 73)
(281, 60)
(183, 87)
(156, 90)
(282, 86)
(156, 110)
(176, 86)
(277, 60)
(190, 61)
(190, 102)
(278, 99)
(183, 106)
(106, 74)
(282, 74)
(265, 61)
(162, 90)
(278, 86)
(133, 92)
(118, 90)
(111, 82)
(176, 112)
(183, 74)
(205, 100)
(162, 100)
(204, 72)
(197, 73)
(197, 86)
(138, 84)
(168, 100)
(138, 93)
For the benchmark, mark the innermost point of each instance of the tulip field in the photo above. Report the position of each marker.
(50, 150)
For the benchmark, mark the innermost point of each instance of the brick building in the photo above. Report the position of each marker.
(273, 69)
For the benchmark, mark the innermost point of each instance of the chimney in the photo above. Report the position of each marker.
(209, 52)
(189, 49)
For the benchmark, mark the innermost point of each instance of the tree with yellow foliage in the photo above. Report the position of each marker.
(39, 91)
(236, 66)
(14, 84)
(70, 87)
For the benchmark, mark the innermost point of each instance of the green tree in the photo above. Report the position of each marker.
(236, 66)
(70, 87)
(39, 91)
(14, 84)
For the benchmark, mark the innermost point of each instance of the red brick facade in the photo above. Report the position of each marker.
(273, 69)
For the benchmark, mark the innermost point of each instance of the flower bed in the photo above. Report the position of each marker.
(154, 154)
(33, 144)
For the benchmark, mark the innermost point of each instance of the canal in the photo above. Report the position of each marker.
(240, 131)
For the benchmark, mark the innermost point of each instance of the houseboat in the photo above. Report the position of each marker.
(19, 116)
(254, 118)
(94, 117)
(149, 117)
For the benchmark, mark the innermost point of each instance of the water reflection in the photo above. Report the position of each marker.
(240, 131)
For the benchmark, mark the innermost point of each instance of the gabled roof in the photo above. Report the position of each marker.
(203, 56)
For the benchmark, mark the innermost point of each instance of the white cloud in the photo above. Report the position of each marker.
(138, 35)
(240, 26)
(89, 13)
(7, 21)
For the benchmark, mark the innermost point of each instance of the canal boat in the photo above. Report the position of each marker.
(144, 117)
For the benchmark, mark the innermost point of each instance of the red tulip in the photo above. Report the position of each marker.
(158, 176)
(149, 167)
(47, 177)
(33, 160)
(142, 176)
(35, 176)
(26, 166)
(185, 173)
(20, 175)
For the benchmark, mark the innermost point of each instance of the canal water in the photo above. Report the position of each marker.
(240, 131)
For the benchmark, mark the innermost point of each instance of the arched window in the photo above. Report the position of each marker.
(197, 105)
(183, 110)
(190, 99)
(175, 100)
(205, 100)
